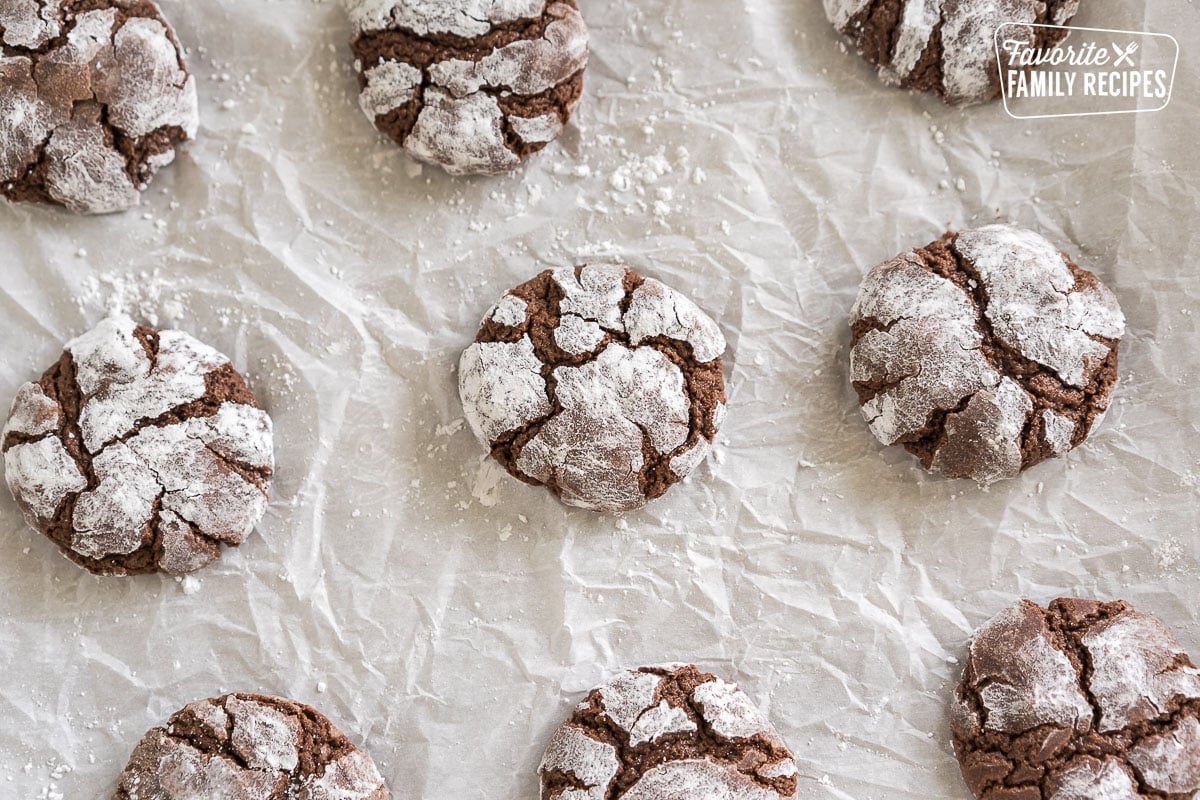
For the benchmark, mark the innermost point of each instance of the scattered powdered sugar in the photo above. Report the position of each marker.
(1135, 673)
(696, 778)
(1089, 779)
(1170, 761)
(589, 761)
(1032, 303)
(1023, 680)
(502, 387)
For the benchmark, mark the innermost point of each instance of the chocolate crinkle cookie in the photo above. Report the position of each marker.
(984, 353)
(668, 732)
(599, 384)
(249, 747)
(139, 451)
(1079, 701)
(94, 99)
(473, 86)
(946, 46)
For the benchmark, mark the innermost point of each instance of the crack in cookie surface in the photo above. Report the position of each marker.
(94, 99)
(249, 747)
(596, 383)
(984, 353)
(139, 451)
(667, 732)
(1078, 701)
(472, 90)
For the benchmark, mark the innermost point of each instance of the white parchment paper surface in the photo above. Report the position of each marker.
(446, 616)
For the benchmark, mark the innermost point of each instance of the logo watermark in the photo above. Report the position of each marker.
(1092, 71)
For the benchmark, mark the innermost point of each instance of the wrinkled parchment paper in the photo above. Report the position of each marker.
(446, 616)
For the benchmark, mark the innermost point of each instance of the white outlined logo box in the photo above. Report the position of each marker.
(1091, 72)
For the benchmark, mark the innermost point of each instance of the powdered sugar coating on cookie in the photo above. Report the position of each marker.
(249, 747)
(1073, 701)
(696, 778)
(588, 381)
(984, 353)
(465, 18)
(1028, 681)
(479, 104)
(1136, 669)
(83, 80)
(1090, 779)
(659, 722)
(163, 457)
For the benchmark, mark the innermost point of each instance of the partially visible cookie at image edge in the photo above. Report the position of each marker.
(249, 747)
(599, 384)
(985, 352)
(472, 86)
(139, 451)
(946, 47)
(95, 98)
(1082, 700)
(667, 732)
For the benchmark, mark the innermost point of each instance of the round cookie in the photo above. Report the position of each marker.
(139, 451)
(603, 386)
(984, 353)
(668, 732)
(1080, 701)
(945, 46)
(249, 747)
(94, 99)
(472, 86)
